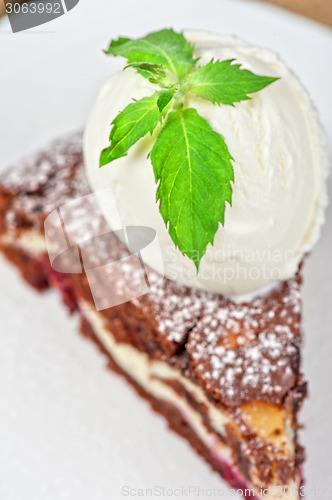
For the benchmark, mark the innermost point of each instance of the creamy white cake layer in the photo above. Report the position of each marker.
(29, 240)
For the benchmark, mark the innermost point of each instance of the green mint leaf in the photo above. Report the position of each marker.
(133, 123)
(224, 83)
(193, 169)
(151, 71)
(164, 99)
(165, 47)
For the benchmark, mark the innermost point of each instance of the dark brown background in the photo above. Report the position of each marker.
(319, 10)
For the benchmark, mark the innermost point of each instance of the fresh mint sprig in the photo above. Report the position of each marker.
(191, 162)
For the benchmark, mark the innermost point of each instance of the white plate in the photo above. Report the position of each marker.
(69, 429)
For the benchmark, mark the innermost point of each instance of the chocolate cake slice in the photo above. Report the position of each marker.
(226, 376)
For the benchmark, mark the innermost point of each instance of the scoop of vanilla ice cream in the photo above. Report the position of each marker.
(280, 168)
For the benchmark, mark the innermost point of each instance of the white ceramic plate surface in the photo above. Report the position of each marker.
(70, 429)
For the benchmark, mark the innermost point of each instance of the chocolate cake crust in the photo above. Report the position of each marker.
(236, 354)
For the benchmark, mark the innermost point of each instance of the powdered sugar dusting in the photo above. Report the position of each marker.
(45, 182)
(241, 352)
(173, 309)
